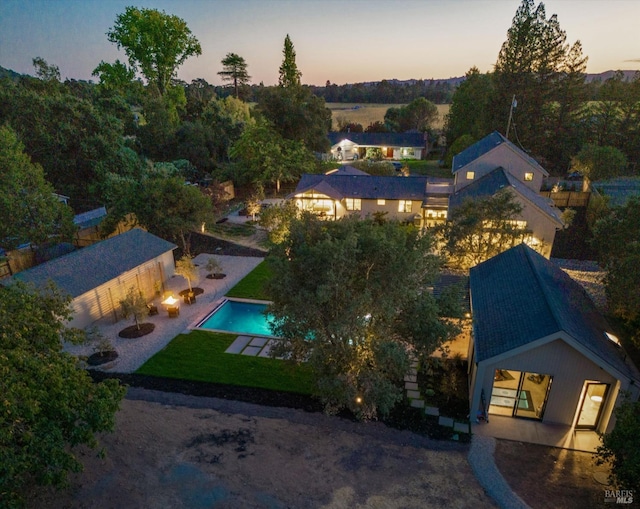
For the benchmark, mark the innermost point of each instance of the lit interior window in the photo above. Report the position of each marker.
(471, 175)
(382, 202)
(528, 176)
(404, 206)
(353, 203)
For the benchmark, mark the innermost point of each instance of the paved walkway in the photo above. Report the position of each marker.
(258, 346)
(484, 467)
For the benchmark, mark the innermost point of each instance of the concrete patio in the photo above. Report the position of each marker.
(523, 430)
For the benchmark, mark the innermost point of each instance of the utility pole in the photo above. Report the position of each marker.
(514, 104)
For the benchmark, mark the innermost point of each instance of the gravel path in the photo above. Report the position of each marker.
(481, 459)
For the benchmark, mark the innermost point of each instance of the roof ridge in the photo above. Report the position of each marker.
(543, 287)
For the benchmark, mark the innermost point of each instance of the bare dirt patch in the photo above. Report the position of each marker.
(246, 456)
(548, 477)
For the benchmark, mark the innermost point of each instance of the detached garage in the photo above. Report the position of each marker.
(97, 277)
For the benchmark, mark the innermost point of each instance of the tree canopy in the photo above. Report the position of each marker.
(155, 43)
(235, 71)
(360, 307)
(32, 212)
(599, 163)
(265, 157)
(616, 238)
(49, 405)
(621, 448)
(481, 228)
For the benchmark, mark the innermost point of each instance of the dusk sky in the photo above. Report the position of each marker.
(344, 41)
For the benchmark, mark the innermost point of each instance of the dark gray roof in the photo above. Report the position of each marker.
(91, 218)
(519, 296)
(492, 182)
(619, 190)
(364, 186)
(345, 169)
(487, 144)
(89, 267)
(380, 139)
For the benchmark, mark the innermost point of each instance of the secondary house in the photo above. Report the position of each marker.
(493, 164)
(346, 192)
(351, 146)
(97, 277)
(540, 350)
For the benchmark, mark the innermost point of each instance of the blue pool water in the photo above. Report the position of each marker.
(242, 317)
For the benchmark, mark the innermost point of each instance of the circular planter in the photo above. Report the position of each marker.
(196, 291)
(99, 358)
(133, 331)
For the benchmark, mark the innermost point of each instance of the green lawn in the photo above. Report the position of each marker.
(252, 286)
(200, 356)
(232, 229)
(428, 167)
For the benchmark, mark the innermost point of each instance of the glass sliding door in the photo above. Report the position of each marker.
(595, 395)
(519, 393)
(532, 395)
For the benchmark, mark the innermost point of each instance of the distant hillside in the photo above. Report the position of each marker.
(604, 76)
(8, 73)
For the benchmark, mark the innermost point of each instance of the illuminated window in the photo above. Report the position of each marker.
(382, 202)
(353, 203)
(404, 206)
(528, 176)
(471, 175)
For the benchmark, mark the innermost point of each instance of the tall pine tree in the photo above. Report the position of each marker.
(289, 73)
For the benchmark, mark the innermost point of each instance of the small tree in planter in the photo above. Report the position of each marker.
(135, 305)
(186, 268)
(102, 348)
(213, 268)
(253, 206)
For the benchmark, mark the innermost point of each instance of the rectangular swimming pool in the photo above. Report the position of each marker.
(241, 317)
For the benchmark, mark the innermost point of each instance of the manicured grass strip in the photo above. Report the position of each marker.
(252, 286)
(233, 229)
(200, 356)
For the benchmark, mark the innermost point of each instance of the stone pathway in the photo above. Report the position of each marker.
(416, 401)
(255, 346)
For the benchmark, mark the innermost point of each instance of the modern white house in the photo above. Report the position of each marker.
(540, 350)
(97, 277)
(351, 146)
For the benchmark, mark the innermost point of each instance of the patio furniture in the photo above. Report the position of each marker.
(174, 311)
(153, 309)
(189, 298)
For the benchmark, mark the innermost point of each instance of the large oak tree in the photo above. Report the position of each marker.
(155, 43)
(49, 406)
(350, 298)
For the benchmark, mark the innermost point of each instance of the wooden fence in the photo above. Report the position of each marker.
(563, 199)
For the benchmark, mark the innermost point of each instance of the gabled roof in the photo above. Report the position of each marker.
(364, 186)
(487, 144)
(492, 182)
(380, 139)
(519, 297)
(87, 268)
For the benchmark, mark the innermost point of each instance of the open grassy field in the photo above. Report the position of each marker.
(365, 114)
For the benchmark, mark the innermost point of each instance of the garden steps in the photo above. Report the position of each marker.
(417, 401)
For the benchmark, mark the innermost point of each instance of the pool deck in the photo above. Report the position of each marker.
(135, 352)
